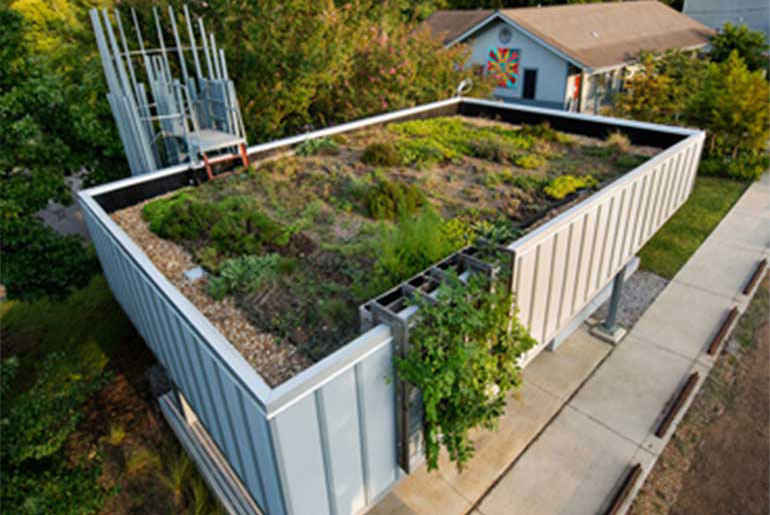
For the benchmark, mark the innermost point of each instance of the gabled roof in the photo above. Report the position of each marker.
(595, 36)
(449, 25)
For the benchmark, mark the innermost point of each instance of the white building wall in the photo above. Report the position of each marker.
(551, 69)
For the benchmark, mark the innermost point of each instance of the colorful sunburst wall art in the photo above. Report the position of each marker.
(503, 65)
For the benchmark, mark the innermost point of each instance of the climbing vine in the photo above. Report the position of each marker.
(463, 357)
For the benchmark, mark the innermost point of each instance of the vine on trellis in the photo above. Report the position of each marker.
(463, 357)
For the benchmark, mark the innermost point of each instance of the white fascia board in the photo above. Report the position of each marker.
(499, 16)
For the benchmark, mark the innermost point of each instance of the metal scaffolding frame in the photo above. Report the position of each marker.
(163, 119)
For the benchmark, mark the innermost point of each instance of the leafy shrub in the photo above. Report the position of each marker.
(542, 131)
(247, 274)
(318, 146)
(40, 419)
(597, 151)
(36, 424)
(39, 262)
(388, 200)
(721, 98)
(415, 243)
(530, 161)
(499, 230)
(423, 153)
(564, 185)
(618, 142)
(231, 227)
(181, 216)
(528, 183)
(629, 161)
(463, 358)
(492, 149)
(381, 154)
(243, 229)
(424, 142)
(744, 167)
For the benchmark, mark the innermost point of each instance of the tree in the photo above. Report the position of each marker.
(303, 63)
(38, 476)
(726, 99)
(751, 45)
(732, 107)
(36, 126)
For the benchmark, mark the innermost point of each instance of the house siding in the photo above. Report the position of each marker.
(551, 68)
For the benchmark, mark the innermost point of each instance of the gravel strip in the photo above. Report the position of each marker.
(638, 292)
(274, 361)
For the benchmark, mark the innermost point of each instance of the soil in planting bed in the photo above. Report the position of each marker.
(293, 245)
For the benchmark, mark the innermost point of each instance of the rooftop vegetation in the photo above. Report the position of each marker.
(300, 241)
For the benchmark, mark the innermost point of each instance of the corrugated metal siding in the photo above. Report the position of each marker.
(562, 265)
(337, 443)
(225, 407)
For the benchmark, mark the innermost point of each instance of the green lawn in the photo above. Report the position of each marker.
(676, 241)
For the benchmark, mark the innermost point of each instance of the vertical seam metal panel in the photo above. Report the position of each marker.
(363, 435)
(616, 222)
(323, 434)
(253, 455)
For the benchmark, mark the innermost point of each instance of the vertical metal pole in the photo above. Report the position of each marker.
(178, 43)
(214, 59)
(609, 324)
(162, 43)
(206, 50)
(128, 56)
(122, 75)
(140, 39)
(192, 42)
(104, 52)
(223, 64)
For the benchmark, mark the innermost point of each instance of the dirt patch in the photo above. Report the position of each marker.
(717, 461)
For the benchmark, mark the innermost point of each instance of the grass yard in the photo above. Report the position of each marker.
(119, 457)
(294, 245)
(676, 241)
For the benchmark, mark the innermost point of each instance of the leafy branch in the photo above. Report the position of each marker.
(463, 357)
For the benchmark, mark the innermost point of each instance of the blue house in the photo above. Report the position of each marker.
(571, 57)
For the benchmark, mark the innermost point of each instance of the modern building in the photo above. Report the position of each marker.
(755, 14)
(570, 57)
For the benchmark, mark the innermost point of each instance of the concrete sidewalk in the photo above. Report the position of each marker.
(575, 465)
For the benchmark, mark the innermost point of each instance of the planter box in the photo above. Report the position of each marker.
(325, 441)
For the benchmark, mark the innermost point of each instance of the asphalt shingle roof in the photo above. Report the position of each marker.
(595, 35)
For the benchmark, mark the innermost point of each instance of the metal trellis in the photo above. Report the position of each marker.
(164, 119)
